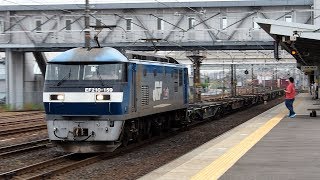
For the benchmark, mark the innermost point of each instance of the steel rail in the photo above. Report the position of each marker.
(23, 147)
(33, 167)
(22, 129)
(20, 121)
(14, 114)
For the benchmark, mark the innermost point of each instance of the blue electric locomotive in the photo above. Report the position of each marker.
(97, 99)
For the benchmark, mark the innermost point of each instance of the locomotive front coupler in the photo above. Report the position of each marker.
(80, 132)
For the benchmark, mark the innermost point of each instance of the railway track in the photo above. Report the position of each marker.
(24, 147)
(15, 130)
(9, 115)
(68, 162)
(63, 164)
(21, 121)
(36, 170)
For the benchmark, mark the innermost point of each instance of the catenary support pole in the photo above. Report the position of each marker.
(196, 60)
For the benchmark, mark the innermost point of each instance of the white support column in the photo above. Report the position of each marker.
(316, 7)
(15, 78)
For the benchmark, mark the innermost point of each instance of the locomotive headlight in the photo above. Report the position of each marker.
(101, 97)
(59, 97)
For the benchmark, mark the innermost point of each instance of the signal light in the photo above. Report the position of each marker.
(293, 52)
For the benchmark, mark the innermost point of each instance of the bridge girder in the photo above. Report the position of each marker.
(191, 26)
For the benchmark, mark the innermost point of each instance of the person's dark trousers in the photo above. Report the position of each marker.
(289, 104)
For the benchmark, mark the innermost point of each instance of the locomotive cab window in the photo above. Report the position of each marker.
(115, 72)
(101, 72)
(62, 71)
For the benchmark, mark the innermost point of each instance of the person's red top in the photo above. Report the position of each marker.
(291, 91)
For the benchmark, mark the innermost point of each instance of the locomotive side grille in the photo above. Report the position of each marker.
(144, 95)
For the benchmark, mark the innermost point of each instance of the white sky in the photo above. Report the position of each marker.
(41, 2)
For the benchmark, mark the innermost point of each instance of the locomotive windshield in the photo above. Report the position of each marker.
(114, 72)
(62, 71)
(104, 72)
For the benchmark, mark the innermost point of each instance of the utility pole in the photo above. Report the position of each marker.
(235, 79)
(277, 76)
(223, 85)
(232, 80)
(264, 75)
(196, 59)
(87, 26)
(252, 89)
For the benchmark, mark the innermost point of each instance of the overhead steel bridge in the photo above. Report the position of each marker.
(211, 25)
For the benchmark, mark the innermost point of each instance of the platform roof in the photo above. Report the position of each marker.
(306, 44)
(159, 4)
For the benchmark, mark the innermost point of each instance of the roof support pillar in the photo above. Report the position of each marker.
(15, 78)
(316, 13)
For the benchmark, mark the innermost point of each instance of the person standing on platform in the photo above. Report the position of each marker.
(290, 95)
(315, 86)
(311, 88)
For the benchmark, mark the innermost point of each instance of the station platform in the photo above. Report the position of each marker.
(269, 146)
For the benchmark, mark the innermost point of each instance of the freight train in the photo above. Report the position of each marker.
(98, 99)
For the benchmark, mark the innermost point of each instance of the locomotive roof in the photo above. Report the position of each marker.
(108, 54)
(147, 62)
(105, 54)
(150, 57)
